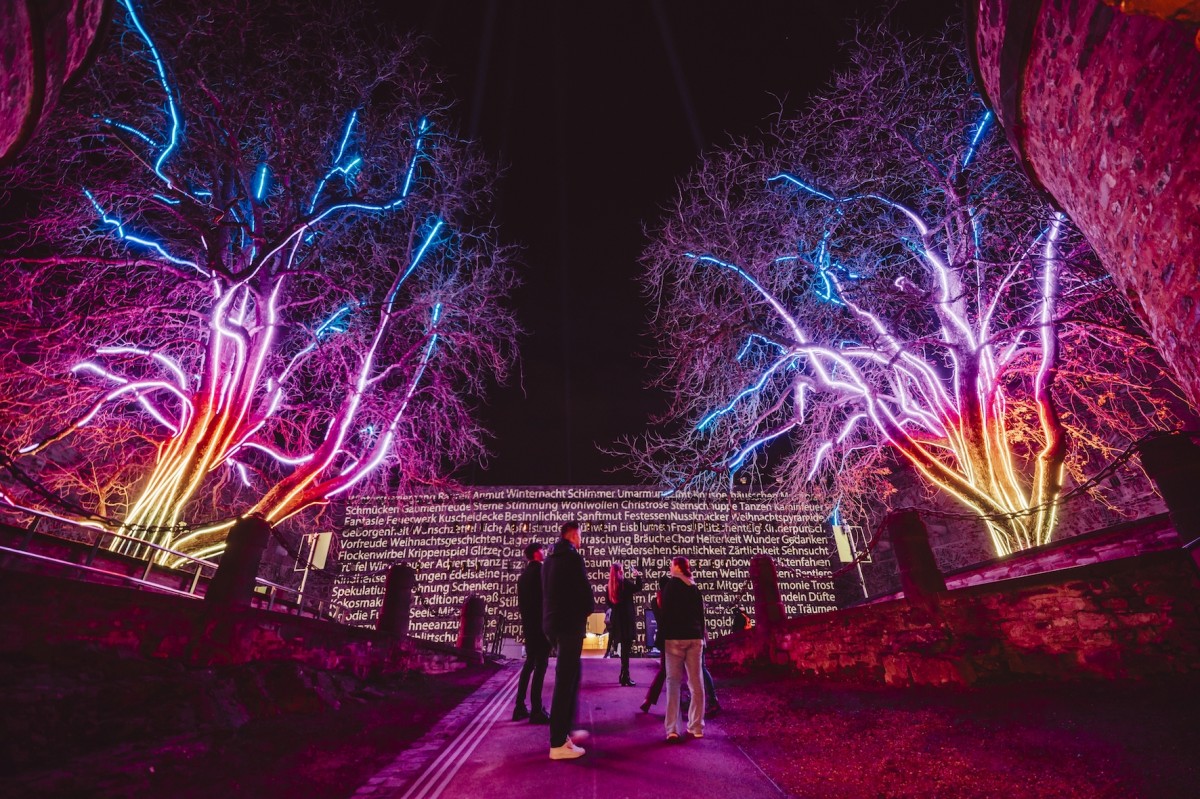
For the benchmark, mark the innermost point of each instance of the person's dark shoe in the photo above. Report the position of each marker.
(645, 707)
(539, 716)
(520, 713)
(712, 710)
(627, 681)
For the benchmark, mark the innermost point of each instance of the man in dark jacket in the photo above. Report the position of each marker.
(537, 647)
(567, 602)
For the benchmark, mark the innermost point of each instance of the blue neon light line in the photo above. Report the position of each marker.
(346, 136)
(133, 130)
(422, 127)
(117, 225)
(337, 166)
(261, 188)
(162, 77)
(334, 323)
(984, 122)
(750, 342)
(766, 295)
(762, 381)
(795, 181)
(429, 239)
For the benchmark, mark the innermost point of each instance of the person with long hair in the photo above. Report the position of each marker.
(682, 625)
(623, 625)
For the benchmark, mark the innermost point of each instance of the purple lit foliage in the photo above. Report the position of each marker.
(262, 274)
(875, 281)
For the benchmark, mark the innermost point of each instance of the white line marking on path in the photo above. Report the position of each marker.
(766, 776)
(439, 773)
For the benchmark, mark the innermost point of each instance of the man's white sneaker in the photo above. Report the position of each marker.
(567, 751)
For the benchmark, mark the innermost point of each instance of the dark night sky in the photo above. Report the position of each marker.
(596, 109)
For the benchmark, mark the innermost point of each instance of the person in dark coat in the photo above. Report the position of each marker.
(537, 646)
(682, 624)
(567, 602)
(621, 592)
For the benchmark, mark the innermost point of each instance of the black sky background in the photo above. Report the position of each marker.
(595, 110)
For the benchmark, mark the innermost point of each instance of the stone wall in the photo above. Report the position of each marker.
(1127, 540)
(43, 47)
(1130, 618)
(37, 612)
(963, 544)
(1103, 108)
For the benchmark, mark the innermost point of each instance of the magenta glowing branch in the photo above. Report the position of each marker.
(278, 457)
(128, 387)
(166, 361)
(141, 389)
(354, 474)
(1049, 468)
(286, 363)
(16, 504)
(308, 486)
(142, 396)
(934, 260)
(919, 405)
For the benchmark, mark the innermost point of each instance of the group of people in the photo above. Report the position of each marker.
(554, 598)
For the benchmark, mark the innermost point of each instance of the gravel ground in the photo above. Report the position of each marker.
(1093, 741)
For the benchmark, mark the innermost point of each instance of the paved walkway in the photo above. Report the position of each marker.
(476, 751)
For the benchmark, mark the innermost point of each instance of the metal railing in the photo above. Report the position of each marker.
(267, 595)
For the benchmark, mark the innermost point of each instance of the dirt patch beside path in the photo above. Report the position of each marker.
(1033, 741)
(93, 724)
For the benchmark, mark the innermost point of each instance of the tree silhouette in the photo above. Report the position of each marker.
(874, 279)
(261, 274)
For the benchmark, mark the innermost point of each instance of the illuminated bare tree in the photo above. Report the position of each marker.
(262, 274)
(877, 279)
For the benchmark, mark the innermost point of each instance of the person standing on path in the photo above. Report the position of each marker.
(711, 706)
(621, 593)
(682, 625)
(537, 647)
(567, 602)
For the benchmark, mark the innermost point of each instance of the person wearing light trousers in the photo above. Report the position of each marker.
(682, 626)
